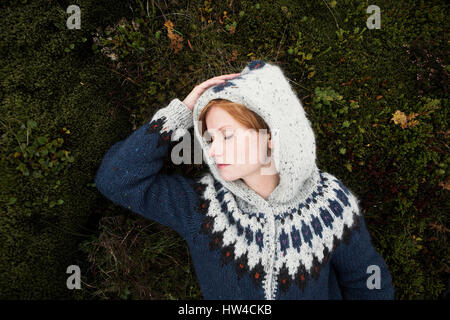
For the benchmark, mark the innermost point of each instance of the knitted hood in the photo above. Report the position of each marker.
(263, 88)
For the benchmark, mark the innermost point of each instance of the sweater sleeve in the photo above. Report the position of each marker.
(129, 174)
(356, 263)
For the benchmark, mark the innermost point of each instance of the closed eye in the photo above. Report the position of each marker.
(226, 138)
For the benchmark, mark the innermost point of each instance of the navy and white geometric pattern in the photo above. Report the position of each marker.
(307, 233)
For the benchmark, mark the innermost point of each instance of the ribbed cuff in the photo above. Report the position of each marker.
(176, 116)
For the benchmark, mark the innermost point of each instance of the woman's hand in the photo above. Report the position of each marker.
(198, 90)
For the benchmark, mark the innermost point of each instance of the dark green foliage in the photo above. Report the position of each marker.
(378, 101)
(44, 90)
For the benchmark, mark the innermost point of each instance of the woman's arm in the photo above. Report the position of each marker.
(129, 174)
(355, 263)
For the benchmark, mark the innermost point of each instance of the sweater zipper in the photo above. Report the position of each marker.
(272, 247)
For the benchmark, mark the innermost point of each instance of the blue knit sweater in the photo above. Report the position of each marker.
(309, 244)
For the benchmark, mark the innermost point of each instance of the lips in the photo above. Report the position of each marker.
(220, 166)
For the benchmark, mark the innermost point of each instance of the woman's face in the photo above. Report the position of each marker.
(245, 151)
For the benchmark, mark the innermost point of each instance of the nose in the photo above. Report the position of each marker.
(212, 150)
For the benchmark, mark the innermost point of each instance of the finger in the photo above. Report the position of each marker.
(211, 82)
(226, 76)
(214, 80)
(220, 79)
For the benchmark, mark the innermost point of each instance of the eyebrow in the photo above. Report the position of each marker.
(224, 127)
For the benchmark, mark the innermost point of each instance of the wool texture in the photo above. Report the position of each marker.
(307, 240)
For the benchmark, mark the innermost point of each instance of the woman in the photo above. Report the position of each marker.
(295, 232)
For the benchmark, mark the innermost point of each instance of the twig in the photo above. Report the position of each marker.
(160, 10)
(278, 51)
(127, 78)
(337, 25)
(126, 235)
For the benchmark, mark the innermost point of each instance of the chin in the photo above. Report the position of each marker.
(228, 176)
(236, 173)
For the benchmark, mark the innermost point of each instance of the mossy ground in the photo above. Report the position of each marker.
(377, 99)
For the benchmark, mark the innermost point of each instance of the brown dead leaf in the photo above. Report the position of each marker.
(175, 39)
(399, 117)
(440, 228)
(445, 185)
(169, 25)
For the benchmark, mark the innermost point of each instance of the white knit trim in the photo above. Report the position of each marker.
(176, 118)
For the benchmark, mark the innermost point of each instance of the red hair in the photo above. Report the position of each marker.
(239, 112)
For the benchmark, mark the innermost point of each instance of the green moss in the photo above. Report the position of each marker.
(42, 83)
(351, 81)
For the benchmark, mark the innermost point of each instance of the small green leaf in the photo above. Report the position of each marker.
(42, 140)
(37, 174)
(342, 150)
(31, 124)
